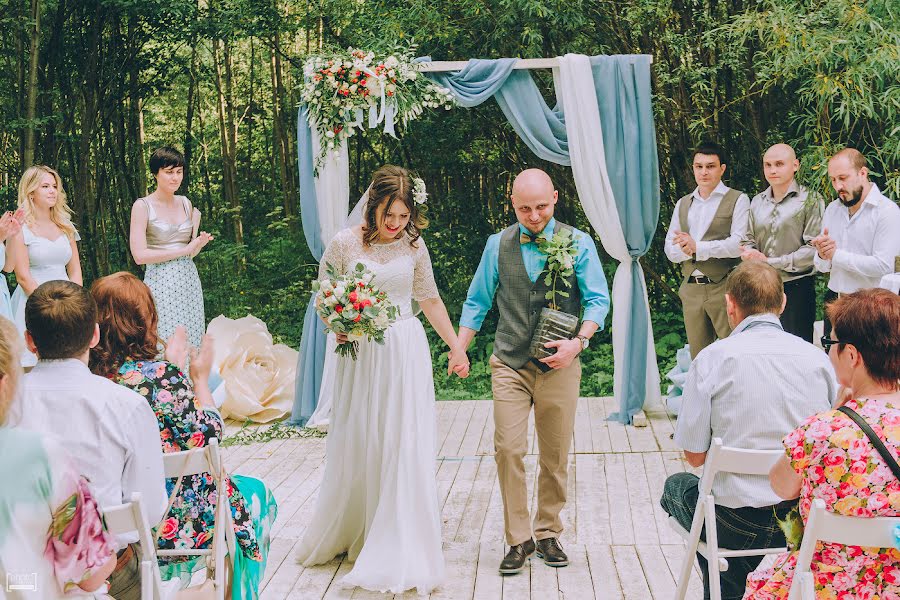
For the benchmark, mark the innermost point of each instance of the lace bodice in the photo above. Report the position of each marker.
(401, 270)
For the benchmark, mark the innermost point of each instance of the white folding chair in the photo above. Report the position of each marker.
(129, 518)
(826, 526)
(193, 462)
(719, 459)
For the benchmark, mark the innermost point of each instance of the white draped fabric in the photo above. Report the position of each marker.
(576, 92)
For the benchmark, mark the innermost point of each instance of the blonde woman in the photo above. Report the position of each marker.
(45, 249)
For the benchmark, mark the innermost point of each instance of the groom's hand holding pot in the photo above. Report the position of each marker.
(566, 351)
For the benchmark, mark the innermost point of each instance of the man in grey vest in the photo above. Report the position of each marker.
(510, 268)
(708, 226)
(784, 220)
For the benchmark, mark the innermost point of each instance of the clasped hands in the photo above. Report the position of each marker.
(825, 246)
(685, 242)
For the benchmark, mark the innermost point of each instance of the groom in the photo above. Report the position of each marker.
(510, 268)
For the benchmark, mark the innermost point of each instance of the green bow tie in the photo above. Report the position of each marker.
(537, 238)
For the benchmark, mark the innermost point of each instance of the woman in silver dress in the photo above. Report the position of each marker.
(164, 236)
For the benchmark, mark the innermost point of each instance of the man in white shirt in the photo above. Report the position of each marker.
(705, 235)
(750, 389)
(860, 230)
(110, 430)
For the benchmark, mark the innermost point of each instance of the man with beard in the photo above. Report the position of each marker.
(860, 233)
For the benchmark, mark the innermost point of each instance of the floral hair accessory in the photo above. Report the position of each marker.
(419, 193)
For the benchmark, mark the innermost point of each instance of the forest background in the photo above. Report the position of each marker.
(90, 87)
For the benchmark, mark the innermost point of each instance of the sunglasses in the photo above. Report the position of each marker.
(827, 343)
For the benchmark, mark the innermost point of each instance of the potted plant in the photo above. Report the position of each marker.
(554, 324)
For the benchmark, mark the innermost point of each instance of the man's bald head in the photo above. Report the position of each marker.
(780, 164)
(533, 198)
(532, 181)
(853, 157)
(783, 151)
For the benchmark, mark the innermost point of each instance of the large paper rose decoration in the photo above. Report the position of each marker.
(258, 376)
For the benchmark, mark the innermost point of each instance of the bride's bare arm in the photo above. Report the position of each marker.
(436, 313)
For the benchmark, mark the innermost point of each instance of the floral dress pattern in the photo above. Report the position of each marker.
(184, 426)
(52, 535)
(838, 464)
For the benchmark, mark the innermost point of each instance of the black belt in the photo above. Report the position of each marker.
(700, 279)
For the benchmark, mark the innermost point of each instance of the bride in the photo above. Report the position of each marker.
(378, 499)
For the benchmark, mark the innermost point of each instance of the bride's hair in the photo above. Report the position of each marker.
(392, 184)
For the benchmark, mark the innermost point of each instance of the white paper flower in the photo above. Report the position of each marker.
(258, 375)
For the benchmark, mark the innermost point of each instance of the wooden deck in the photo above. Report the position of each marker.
(617, 538)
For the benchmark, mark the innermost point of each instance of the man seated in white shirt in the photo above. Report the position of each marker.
(749, 389)
(110, 430)
(860, 230)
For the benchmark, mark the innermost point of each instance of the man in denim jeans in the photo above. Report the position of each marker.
(749, 389)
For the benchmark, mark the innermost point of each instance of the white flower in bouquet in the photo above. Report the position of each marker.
(382, 321)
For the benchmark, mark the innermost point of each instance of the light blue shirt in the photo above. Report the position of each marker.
(752, 389)
(588, 273)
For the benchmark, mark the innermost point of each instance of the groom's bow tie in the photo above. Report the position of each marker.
(524, 238)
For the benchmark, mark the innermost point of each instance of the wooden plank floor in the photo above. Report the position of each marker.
(617, 538)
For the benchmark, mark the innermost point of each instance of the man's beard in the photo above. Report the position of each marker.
(855, 197)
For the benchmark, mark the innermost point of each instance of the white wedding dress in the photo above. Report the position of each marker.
(378, 499)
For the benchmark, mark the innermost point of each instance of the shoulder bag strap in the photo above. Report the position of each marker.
(876, 441)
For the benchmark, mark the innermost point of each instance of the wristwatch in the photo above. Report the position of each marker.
(585, 342)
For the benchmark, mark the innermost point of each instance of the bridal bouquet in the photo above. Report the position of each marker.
(350, 304)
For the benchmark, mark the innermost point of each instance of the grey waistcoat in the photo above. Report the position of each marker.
(520, 301)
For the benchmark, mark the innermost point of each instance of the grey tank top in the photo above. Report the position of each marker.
(162, 235)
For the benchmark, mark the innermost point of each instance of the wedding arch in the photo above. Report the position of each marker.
(602, 127)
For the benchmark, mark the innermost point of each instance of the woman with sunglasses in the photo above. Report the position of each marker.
(831, 457)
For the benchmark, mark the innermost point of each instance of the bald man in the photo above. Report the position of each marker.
(510, 268)
(784, 220)
(860, 230)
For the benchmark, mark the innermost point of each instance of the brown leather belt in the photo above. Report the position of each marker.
(124, 556)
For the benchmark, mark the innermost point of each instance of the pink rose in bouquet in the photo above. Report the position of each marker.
(349, 303)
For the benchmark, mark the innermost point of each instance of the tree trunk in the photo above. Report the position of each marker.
(228, 135)
(189, 119)
(280, 138)
(32, 89)
(136, 112)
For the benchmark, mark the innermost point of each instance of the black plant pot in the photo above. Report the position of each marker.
(552, 325)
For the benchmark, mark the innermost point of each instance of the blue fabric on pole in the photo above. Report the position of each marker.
(543, 129)
(622, 83)
(311, 360)
(477, 82)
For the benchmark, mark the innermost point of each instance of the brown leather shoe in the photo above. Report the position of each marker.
(552, 553)
(514, 561)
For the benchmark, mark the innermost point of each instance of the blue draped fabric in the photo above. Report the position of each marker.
(629, 141)
(477, 82)
(311, 360)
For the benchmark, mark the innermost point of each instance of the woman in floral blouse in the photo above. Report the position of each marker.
(52, 536)
(127, 353)
(829, 456)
